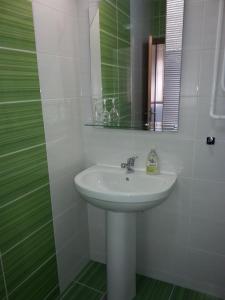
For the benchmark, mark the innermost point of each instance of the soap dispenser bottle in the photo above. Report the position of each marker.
(152, 165)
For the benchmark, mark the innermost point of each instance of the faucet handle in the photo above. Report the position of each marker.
(123, 165)
(134, 157)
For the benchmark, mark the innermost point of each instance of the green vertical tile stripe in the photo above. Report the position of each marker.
(22, 173)
(109, 79)
(23, 217)
(124, 53)
(115, 51)
(26, 230)
(108, 18)
(39, 284)
(18, 76)
(16, 24)
(28, 256)
(124, 5)
(21, 126)
(157, 11)
(108, 49)
(123, 26)
(186, 294)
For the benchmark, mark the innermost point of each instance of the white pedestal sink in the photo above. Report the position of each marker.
(122, 195)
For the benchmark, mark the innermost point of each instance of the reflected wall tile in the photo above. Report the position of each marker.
(56, 32)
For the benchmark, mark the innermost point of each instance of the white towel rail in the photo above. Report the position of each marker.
(216, 63)
(223, 73)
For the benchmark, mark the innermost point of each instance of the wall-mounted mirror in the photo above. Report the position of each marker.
(136, 49)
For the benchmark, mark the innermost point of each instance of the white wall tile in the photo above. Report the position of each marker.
(175, 154)
(163, 226)
(58, 77)
(210, 19)
(97, 233)
(208, 200)
(71, 259)
(207, 270)
(66, 6)
(57, 40)
(70, 223)
(187, 116)
(206, 126)
(56, 32)
(209, 162)
(179, 201)
(207, 235)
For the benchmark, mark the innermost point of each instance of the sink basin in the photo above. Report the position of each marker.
(122, 195)
(111, 188)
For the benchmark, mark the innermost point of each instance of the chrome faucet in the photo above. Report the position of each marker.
(129, 164)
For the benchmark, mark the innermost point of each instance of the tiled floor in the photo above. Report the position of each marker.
(90, 284)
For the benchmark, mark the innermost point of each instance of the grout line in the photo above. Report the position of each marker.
(3, 274)
(116, 37)
(18, 102)
(115, 6)
(171, 294)
(17, 50)
(66, 292)
(104, 296)
(86, 271)
(117, 65)
(22, 150)
(24, 195)
(52, 290)
(27, 237)
(89, 287)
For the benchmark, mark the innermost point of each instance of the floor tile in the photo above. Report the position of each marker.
(94, 275)
(90, 284)
(79, 292)
(151, 289)
(186, 294)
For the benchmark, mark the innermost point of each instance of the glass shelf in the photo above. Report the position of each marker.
(146, 127)
(121, 126)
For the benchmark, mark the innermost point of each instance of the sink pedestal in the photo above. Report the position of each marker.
(121, 255)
